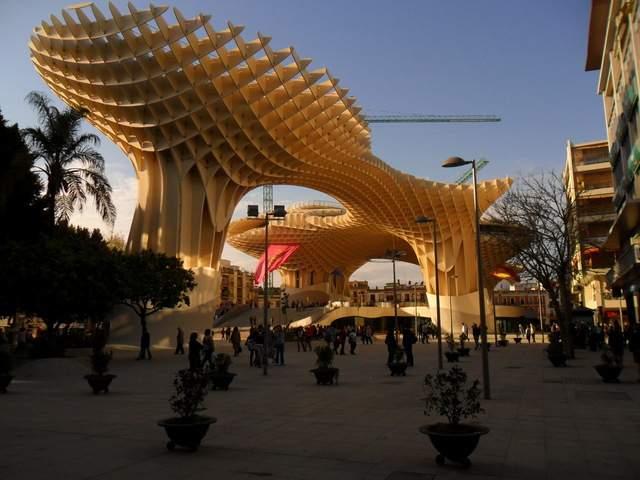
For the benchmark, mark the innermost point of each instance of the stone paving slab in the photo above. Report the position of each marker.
(545, 422)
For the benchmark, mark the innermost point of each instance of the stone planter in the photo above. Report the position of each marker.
(608, 373)
(398, 369)
(454, 442)
(517, 339)
(558, 359)
(221, 380)
(99, 383)
(503, 343)
(186, 432)
(326, 375)
(464, 351)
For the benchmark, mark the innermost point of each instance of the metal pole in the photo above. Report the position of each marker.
(450, 305)
(266, 293)
(415, 298)
(540, 311)
(435, 258)
(495, 319)
(395, 302)
(483, 320)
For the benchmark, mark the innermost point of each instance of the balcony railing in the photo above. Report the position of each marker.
(628, 258)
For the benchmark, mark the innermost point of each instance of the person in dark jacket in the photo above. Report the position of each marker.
(392, 346)
(145, 345)
(195, 350)
(179, 342)
(408, 339)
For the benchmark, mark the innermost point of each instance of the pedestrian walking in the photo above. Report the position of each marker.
(353, 337)
(235, 341)
(207, 348)
(145, 345)
(278, 339)
(195, 351)
(392, 346)
(179, 342)
(528, 333)
(475, 331)
(408, 339)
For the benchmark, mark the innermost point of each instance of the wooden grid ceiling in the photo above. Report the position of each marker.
(205, 116)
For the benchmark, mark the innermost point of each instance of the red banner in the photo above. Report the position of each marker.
(278, 255)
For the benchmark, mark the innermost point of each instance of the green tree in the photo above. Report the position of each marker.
(21, 209)
(150, 282)
(72, 168)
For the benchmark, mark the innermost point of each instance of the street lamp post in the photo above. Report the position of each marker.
(458, 162)
(455, 278)
(277, 212)
(394, 255)
(421, 220)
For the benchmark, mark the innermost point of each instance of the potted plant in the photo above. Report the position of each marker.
(188, 429)
(462, 350)
(398, 365)
(219, 375)
(6, 365)
(610, 367)
(555, 351)
(503, 342)
(100, 380)
(448, 396)
(325, 373)
(452, 354)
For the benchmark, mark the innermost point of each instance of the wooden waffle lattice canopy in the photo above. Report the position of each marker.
(205, 116)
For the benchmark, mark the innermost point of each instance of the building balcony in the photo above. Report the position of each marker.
(593, 165)
(591, 216)
(627, 261)
(596, 190)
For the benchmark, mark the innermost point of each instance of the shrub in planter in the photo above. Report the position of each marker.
(6, 365)
(448, 396)
(398, 365)
(219, 375)
(611, 366)
(99, 380)
(325, 373)
(517, 339)
(503, 342)
(188, 428)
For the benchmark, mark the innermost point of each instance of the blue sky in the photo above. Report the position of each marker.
(521, 60)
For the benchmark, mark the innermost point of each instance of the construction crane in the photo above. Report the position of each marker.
(432, 118)
(480, 164)
(267, 190)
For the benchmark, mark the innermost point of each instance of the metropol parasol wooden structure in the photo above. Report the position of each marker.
(205, 116)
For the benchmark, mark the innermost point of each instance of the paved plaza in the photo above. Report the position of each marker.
(545, 422)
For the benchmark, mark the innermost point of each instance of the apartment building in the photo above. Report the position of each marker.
(613, 49)
(236, 285)
(589, 182)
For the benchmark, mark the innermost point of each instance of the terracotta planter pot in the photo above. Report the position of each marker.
(454, 442)
(99, 383)
(558, 359)
(517, 339)
(186, 432)
(221, 380)
(326, 375)
(5, 380)
(609, 373)
(398, 369)
(452, 357)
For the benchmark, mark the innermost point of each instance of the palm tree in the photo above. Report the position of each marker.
(72, 168)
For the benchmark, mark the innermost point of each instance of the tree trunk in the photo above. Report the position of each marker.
(143, 325)
(565, 324)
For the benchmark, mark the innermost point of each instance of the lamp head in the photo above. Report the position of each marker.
(279, 211)
(455, 162)
(252, 211)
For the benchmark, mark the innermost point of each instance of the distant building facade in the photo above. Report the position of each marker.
(589, 181)
(614, 49)
(236, 285)
(407, 293)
